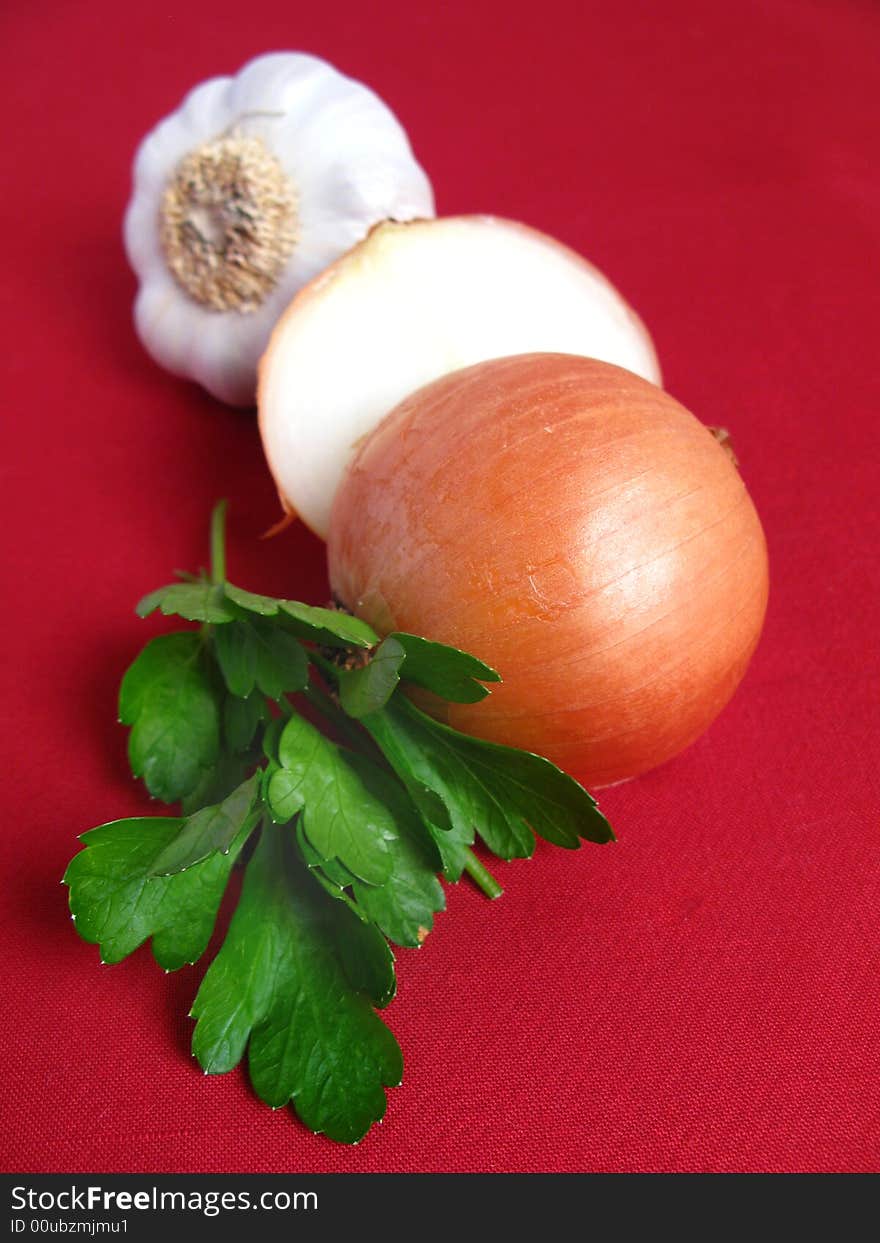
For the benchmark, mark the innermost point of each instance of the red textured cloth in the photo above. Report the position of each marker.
(704, 995)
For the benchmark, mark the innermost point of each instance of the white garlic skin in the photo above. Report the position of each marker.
(350, 164)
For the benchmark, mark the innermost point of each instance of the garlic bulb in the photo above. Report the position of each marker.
(254, 186)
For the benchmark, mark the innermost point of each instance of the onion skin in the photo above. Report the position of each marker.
(578, 529)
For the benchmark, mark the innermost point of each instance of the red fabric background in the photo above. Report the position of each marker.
(702, 996)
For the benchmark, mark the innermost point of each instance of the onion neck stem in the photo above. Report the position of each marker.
(218, 543)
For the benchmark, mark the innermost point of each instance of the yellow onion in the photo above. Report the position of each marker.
(574, 526)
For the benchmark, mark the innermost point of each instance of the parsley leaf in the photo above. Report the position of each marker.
(170, 699)
(118, 903)
(198, 601)
(236, 654)
(341, 818)
(329, 627)
(241, 720)
(453, 675)
(363, 950)
(445, 671)
(365, 955)
(255, 652)
(452, 832)
(505, 794)
(404, 906)
(329, 873)
(250, 602)
(229, 770)
(279, 989)
(210, 830)
(365, 690)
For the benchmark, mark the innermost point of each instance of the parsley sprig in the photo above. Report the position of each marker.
(285, 734)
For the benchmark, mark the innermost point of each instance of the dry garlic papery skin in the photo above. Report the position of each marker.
(254, 186)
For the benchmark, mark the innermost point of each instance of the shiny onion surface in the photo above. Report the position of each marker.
(575, 527)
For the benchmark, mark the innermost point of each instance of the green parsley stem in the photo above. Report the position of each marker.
(357, 737)
(331, 712)
(327, 668)
(218, 543)
(330, 709)
(481, 876)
